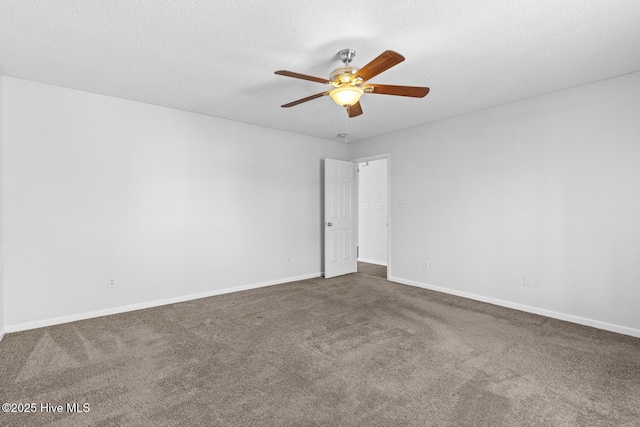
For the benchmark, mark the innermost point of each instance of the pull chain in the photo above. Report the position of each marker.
(346, 127)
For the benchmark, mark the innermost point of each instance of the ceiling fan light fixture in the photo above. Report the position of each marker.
(349, 83)
(346, 96)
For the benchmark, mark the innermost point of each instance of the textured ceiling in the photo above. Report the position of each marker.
(218, 57)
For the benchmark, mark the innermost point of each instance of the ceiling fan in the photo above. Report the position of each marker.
(350, 83)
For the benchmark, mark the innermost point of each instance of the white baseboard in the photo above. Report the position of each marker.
(1, 334)
(526, 308)
(149, 304)
(372, 261)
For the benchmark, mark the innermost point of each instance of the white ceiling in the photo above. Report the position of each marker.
(218, 57)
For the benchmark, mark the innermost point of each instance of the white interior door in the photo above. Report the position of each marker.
(340, 227)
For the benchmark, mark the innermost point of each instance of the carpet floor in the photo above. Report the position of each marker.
(372, 270)
(347, 351)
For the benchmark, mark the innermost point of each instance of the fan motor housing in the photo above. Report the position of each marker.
(345, 76)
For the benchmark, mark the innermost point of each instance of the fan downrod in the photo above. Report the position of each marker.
(346, 55)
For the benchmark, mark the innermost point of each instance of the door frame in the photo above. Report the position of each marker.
(381, 156)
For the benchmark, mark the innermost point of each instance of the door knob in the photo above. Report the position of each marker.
(329, 224)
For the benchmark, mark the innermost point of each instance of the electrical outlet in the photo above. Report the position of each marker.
(111, 283)
(425, 265)
(288, 260)
(528, 281)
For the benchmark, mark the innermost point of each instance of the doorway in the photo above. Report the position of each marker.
(373, 216)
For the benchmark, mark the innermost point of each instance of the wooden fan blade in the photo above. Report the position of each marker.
(308, 98)
(355, 109)
(386, 60)
(301, 76)
(414, 91)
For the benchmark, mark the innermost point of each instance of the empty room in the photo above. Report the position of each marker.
(279, 213)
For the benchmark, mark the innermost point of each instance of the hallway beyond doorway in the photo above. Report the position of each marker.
(372, 270)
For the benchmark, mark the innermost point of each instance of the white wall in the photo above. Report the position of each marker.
(1, 209)
(372, 212)
(168, 203)
(548, 186)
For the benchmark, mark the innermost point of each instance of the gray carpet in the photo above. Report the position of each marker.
(349, 351)
(372, 270)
